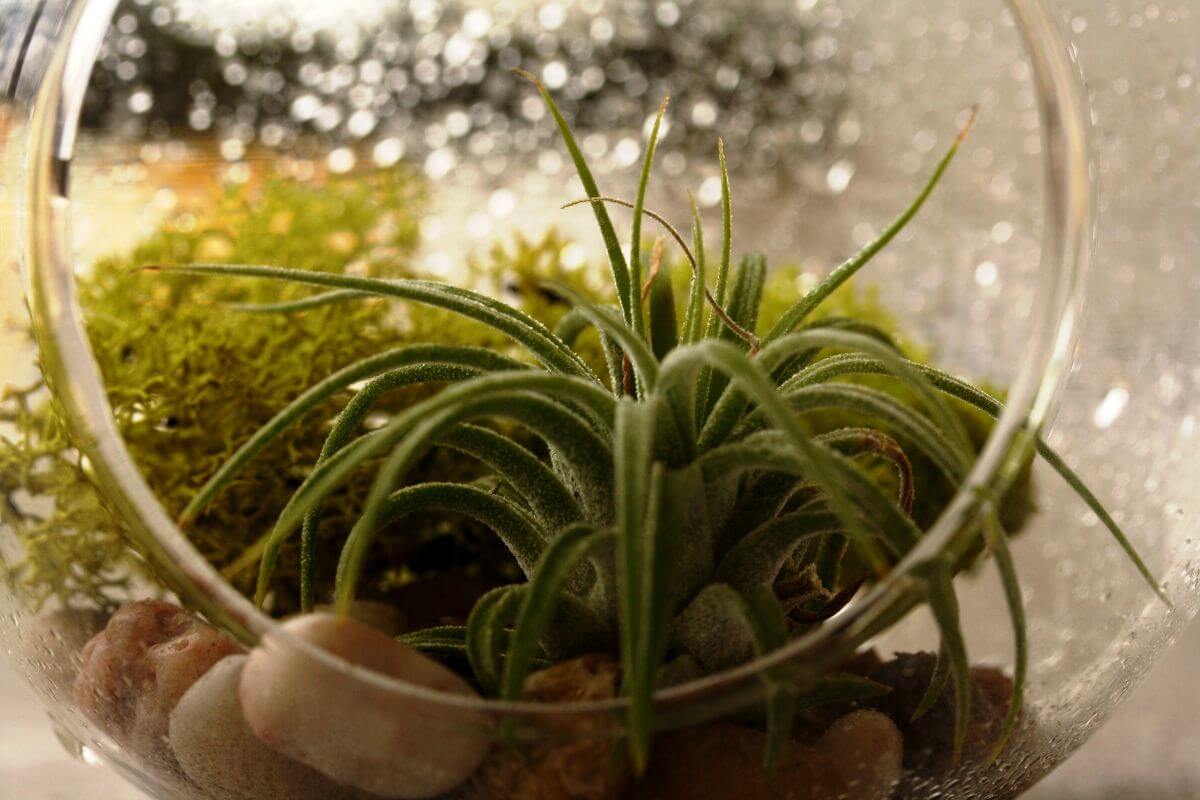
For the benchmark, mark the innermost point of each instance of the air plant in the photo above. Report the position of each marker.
(682, 511)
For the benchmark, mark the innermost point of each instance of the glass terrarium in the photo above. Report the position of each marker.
(590, 399)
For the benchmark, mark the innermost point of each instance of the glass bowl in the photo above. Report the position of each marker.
(396, 132)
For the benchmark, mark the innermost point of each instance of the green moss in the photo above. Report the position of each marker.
(189, 380)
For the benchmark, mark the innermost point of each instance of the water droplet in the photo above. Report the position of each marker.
(388, 152)
(986, 274)
(839, 176)
(342, 159)
(1110, 408)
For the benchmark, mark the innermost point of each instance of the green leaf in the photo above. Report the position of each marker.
(620, 271)
(694, 314)
(499, 393)
(536, 483)
(998, 542)
(633, 448)
(638, 351)
(344, 426)
(757, 559)
(800, 311)
(861, 504)
(886, 409)
(441, 640)
(726, 320)
(732, 406)
(789, 368)
(520, 327)
(758, 613)
(941, 413)
(569, 433)
(303, 304)
(745, 298)
(520, 534)
(944, 604)
(486, 629)
(937, 683)
(819, 465)
(446, 357)
(560, 559)
(853, 442)
(961, 390)
(664, 331)
(635, 243)
(770, 627)
(727, 230)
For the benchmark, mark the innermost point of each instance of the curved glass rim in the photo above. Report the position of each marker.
(74, 376)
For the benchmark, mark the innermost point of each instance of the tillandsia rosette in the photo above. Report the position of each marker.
(680, 511)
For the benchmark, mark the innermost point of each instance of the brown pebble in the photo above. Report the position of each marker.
(866, 749)
(133, 673)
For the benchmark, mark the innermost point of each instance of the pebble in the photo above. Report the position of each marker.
(133, 673)
(220, 753)
(866, 749)
(332, 718)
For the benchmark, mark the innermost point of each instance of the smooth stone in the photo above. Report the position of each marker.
(133, 673)
(333, 718)
(867, 750)
(220, 753)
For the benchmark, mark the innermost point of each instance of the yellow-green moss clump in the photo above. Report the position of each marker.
(191, 378)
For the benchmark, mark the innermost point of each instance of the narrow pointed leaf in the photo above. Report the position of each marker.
(568, 550)
(536, 483)
(1006, 566)
(943, 603)
(975, 397)
(518, 326)
(635, 243)
(693, 318)
(638, 351)
(486, 628)
(477, 359)
(541, 414)
(608, 233)
(632, 454)
(800, 311)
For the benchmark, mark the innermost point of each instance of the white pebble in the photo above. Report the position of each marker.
(219, 752)
(336, 720)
